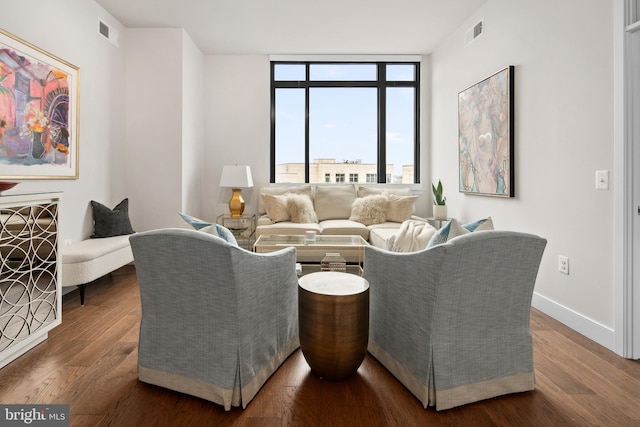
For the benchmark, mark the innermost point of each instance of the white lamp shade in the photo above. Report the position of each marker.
(236, 177)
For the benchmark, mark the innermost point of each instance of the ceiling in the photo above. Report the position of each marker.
(302, 26)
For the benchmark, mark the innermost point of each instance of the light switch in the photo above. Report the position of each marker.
(602, 180)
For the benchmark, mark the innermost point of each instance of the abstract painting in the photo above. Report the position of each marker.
(38, 112)
(485, 136)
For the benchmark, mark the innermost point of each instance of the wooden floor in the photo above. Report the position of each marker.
(89, 362)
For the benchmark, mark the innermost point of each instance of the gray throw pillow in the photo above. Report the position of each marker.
(111, 222)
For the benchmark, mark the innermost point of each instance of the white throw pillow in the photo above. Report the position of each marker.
(300, 208)
(400, 207)
(297, 189)
(448, 231)
(276, 206)
(370, 210)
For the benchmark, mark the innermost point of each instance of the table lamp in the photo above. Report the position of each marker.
(236, 177)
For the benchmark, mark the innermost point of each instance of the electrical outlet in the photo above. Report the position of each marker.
(67, 242)
(563, 264)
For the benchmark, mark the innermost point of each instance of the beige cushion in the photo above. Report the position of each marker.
(370, 209)
(276, 206)
(300, 209)
(364, 191)
(334, 201)
(344, 227)
(400, 207)
(296, 189)
(286, 227)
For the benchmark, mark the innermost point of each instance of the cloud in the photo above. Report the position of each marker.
(329, 126)
(394, 138)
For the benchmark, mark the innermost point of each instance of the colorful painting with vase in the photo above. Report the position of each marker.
(38, 112)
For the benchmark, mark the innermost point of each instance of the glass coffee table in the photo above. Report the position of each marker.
(311, 252)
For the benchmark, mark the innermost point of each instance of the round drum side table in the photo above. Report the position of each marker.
(333, 310)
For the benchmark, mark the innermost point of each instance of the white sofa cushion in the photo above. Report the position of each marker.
(285, 227)
(334, 201)
(365, 190)
(344, 227)
(379, 237)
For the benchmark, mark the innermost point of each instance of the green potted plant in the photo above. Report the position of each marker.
(439, 202)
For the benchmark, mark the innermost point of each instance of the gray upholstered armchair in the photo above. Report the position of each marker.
(452, 322)
(217, 320)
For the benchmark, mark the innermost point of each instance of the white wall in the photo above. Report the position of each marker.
(563, 58)
(237, 123)
(193, 127)
(154, 125)
(69, 30)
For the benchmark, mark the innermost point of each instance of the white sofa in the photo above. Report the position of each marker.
(88, 260)
(341, 209)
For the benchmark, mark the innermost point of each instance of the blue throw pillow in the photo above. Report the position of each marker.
(207, 227)
(194, 222)
(450, 230)
(481, 224)
(226, 234)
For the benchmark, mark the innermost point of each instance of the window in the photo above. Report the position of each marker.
(332, 119)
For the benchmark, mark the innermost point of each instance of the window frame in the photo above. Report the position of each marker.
(381, 84)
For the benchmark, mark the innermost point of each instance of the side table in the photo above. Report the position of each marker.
(439, 221)
(242, 227)
(333, 315)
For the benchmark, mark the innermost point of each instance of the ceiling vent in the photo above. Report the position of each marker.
(108, 33)
(473, 33)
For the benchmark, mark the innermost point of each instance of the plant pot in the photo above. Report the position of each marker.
(440, 211)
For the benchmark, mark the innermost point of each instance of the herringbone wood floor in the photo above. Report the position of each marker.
(89, 362)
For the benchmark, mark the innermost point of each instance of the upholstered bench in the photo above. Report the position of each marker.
(88, 260)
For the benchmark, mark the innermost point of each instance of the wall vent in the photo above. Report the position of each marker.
(473, 33)
(108, 33)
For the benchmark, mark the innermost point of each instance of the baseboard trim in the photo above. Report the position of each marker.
(591, 329)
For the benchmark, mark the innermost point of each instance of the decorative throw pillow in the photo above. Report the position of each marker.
(276, 206)
(479, 225)
(400, 207)
(370, 210)
(300, 209)
(194, 222)
(207, 227)
(111, 222)
(449, 231)
(278, 189)
(221, 232)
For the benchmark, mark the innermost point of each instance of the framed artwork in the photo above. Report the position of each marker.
(485, 136)
(39, 112)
